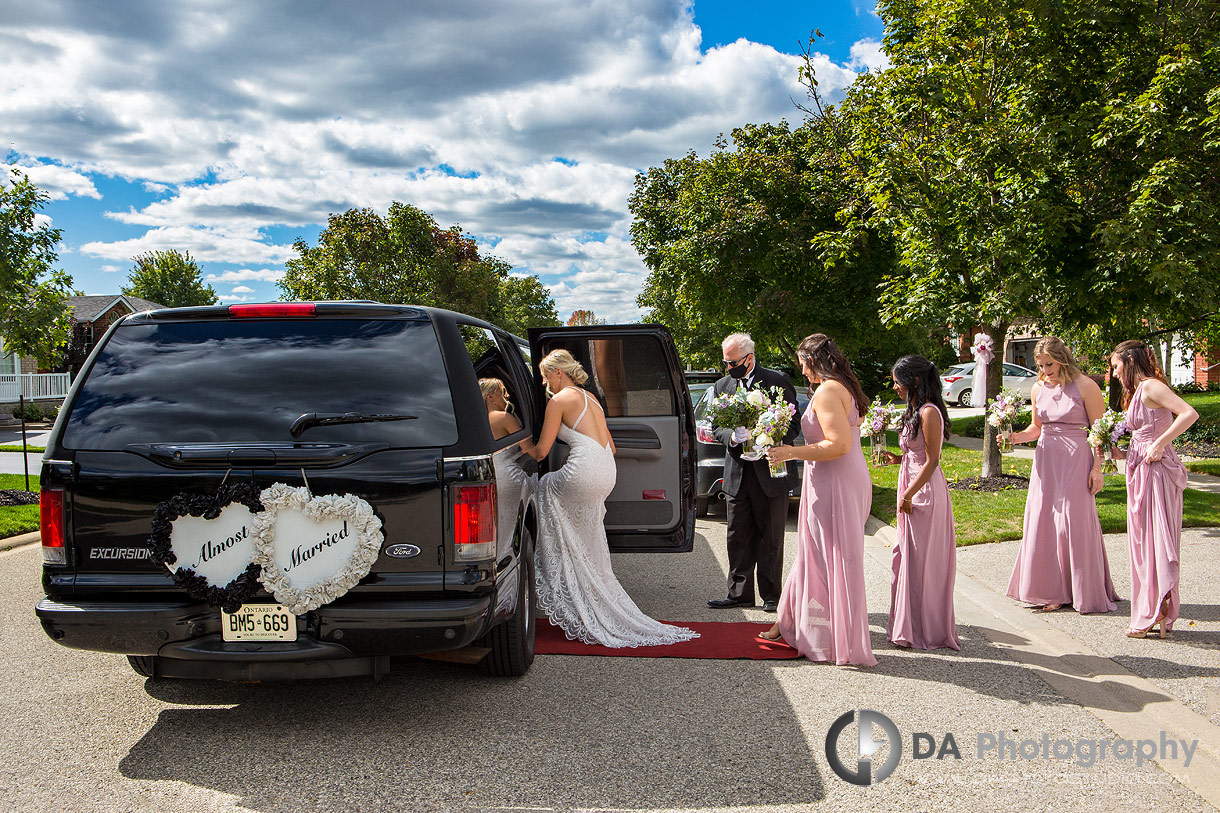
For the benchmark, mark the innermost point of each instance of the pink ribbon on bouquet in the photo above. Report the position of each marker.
(983, 351)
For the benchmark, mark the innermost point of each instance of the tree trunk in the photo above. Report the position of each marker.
(993, 461)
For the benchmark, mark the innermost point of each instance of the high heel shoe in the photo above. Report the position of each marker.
(766, 636)
(1166, 626)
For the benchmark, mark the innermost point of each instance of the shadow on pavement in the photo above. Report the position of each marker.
(576, 732)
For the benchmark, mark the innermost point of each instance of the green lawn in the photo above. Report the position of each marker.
(1207, 404)
(980, 516)
(1204, 466)
(17, 519)
(17, 448)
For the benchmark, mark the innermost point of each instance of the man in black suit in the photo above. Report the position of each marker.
(757, 503)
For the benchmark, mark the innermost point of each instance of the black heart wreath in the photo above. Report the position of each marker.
(208, 506)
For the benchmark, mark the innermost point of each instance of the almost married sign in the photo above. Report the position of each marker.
(207, 543)
(313, 549)
(305, 550)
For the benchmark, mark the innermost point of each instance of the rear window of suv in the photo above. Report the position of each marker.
(247, 380)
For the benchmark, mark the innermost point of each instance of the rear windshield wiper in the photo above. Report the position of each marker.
(331, 418)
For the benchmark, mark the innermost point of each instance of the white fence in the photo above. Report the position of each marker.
(34, 386)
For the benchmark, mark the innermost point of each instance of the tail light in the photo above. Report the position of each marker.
(273, 310)
(474, 522)
(51, 526)
(949, 379)
(705, 434)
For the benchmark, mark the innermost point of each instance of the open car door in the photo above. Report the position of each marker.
(637, 377)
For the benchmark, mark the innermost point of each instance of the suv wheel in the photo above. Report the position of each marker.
(512, 642)
(963, 397)
(143, 665)
(701, 506)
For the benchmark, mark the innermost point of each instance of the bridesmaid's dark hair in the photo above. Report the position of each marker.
(1139, 362)
(922, 380)
(821, 353)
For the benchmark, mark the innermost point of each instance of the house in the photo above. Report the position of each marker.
(92, 315)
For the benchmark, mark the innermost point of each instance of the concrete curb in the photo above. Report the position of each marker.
(20, 541)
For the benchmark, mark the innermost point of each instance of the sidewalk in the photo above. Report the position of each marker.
(1138, 688)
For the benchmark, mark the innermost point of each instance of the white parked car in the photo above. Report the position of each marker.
(957, 381)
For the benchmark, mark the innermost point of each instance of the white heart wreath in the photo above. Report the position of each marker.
(327, 545)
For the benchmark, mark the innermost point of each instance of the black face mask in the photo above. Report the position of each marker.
(738, 372)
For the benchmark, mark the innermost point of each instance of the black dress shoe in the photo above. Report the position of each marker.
(725, 603)
(770, 606)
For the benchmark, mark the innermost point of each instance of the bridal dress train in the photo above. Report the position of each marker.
(576, 586)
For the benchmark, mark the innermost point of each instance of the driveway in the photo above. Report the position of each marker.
(81, 731)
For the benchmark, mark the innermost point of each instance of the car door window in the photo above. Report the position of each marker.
(489, 357)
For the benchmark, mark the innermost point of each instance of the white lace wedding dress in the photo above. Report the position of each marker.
(576, 585)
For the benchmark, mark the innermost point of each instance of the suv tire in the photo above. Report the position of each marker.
(701, 504)
(963, 397)
(143, 665)
(512, 642)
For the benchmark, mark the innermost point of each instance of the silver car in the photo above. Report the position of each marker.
(957, 381)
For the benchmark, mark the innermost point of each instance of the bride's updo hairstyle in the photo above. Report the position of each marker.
(819, 352)
(562, 361)
(1139, 362)
(1054, 347)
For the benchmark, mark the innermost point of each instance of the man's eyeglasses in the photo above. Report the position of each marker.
(728, 363)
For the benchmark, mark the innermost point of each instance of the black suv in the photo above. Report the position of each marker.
(379, 401)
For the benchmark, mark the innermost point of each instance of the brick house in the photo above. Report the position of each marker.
(93, 315)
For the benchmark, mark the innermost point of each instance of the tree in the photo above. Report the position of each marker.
(1006, 154)
(728, 242)
(523, 302)
(171, 278)
(584, 317)
(406, 258)
(33, 312)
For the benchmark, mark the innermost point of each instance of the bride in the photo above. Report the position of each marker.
(576, 585)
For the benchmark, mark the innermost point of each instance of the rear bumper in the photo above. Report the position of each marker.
(185, 635)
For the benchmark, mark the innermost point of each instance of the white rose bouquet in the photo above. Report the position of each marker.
(771, 424)
(1002, 411)
(1108, 432)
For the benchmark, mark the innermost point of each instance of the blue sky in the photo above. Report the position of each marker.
(231, 129)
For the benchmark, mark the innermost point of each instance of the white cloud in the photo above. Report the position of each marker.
(243, 289)
(246, 274)
(245, 117)
(57, 181)
(867, 55)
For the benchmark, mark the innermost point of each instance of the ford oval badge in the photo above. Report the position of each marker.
(402, 551)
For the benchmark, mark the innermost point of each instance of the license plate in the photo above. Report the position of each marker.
(258, 622)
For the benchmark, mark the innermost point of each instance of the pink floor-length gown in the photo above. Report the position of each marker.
(1062, 558)
(822, 610)
(1154, 516)
(925, 558)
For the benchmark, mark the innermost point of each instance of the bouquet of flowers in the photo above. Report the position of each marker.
(1108, 432)
(765, 414)
(877, 419)
(1002, 411)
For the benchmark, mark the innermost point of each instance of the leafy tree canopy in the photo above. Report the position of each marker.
(728, 243)
(171, 278)
(33, 314)
(406, 258)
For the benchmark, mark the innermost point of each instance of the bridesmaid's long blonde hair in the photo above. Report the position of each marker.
(1054, 347)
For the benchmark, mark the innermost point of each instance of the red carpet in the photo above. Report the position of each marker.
(717, 639)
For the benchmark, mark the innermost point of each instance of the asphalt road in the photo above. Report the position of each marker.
(80, 731)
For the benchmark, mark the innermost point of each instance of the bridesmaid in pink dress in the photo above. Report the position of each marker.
(1156, 479)
(925, 553)
(822, 609)
(1062, 558)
